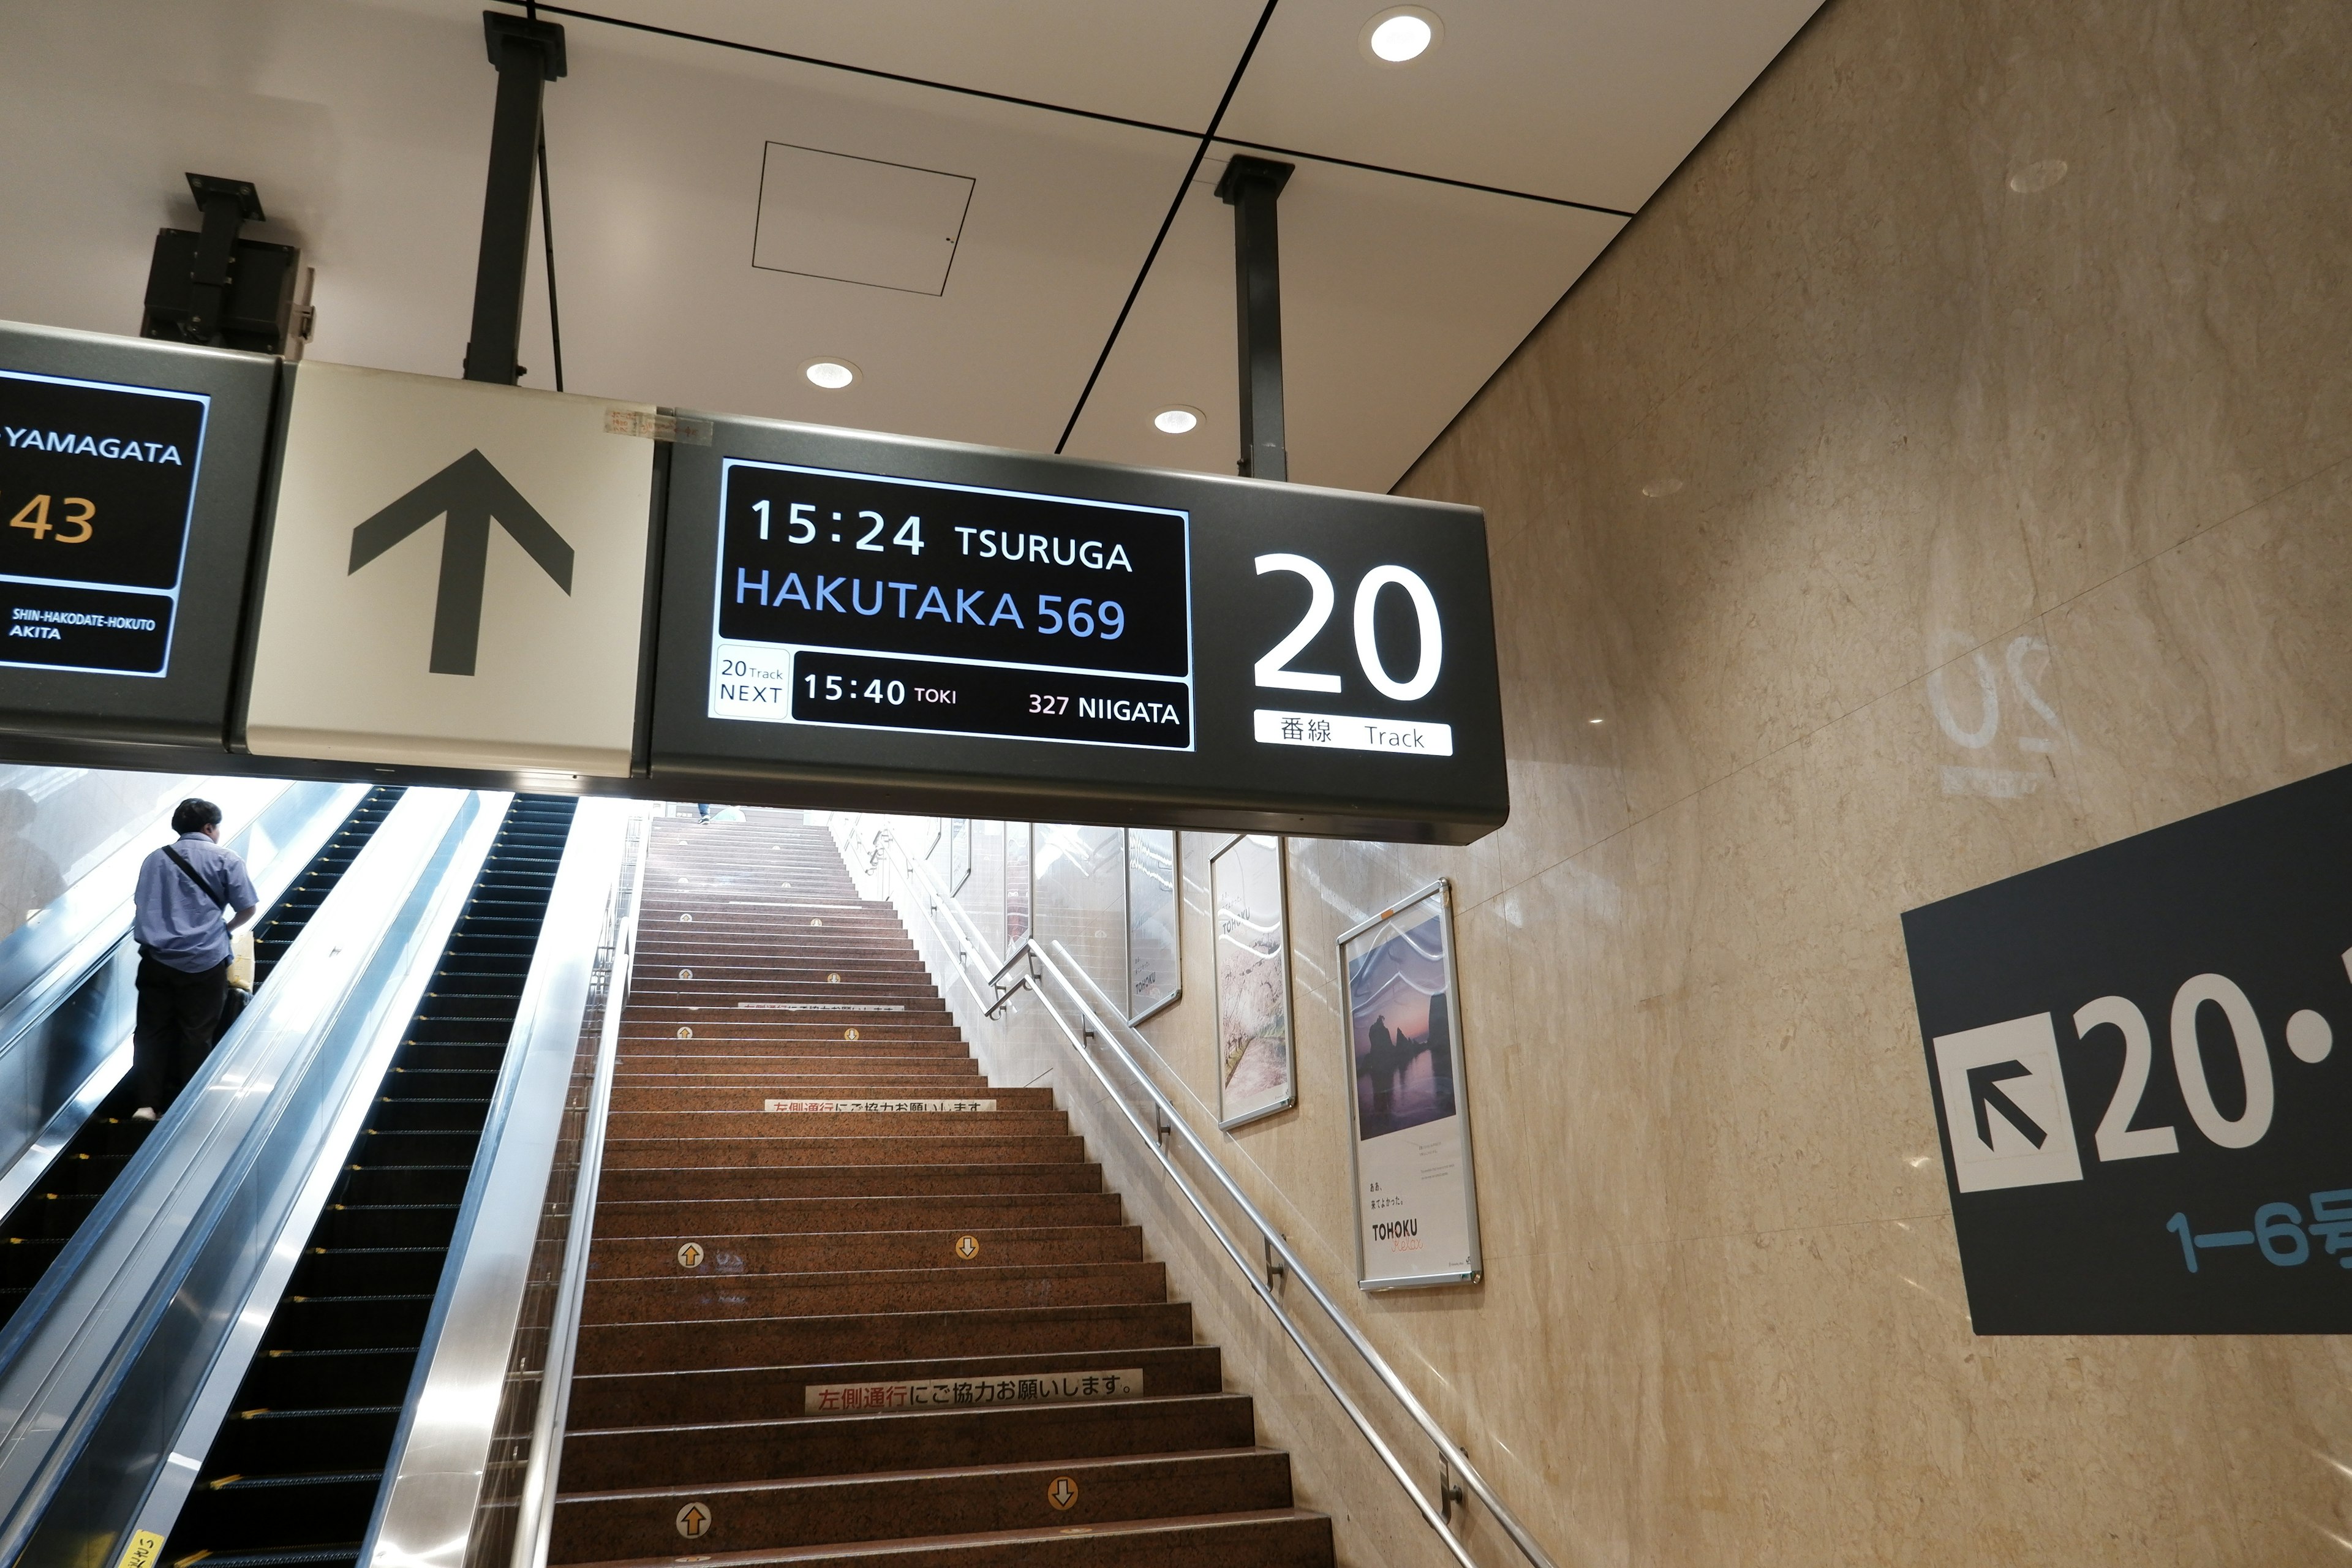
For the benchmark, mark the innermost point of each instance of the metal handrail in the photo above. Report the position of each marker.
(535, 1505)
(1280, 1259)
(450, 1450)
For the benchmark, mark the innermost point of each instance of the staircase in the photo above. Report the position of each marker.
(836, 1335)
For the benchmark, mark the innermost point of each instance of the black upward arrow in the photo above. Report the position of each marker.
(471, 492)
(1985, 1095)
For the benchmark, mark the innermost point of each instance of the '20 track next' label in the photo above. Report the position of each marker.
(2140, 1067)
(880, 603)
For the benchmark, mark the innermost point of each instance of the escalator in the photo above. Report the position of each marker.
(294, 1471)
(45, 1220)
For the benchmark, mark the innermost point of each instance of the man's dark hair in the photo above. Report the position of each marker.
(194, 815)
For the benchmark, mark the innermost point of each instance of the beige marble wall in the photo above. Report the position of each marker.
(1951, 471)
(1911, 513)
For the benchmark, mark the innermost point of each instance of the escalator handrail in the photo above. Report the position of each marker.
(137, 1327)
(444, 1447)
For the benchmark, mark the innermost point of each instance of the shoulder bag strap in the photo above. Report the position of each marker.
(202, 886)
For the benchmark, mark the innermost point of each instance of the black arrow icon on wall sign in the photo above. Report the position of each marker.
(1985, 1095)
(471, 492)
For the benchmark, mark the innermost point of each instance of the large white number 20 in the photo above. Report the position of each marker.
(1271, 669)
(1274, 669)
(2117, 1138)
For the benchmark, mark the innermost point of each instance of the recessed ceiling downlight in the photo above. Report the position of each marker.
(832, 374)
(1400, 35)
(1177, 421)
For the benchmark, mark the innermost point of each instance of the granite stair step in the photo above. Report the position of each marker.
(893, 1191)
(831, 1251)
(697, 1094)
(971, 1497)
(778, 1393)
(1268, 1538)
(624, 1152)
(616, 1459)
(705, 1294)
(885, 1040)
(880, 1336)
(925, 1128)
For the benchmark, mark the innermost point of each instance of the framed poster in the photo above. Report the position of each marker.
(959, 854)
(1255, 1074)
(1016, 884)
(1416, 1191)
(1155, 937)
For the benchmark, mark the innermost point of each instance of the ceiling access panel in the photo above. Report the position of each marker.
(675, 290)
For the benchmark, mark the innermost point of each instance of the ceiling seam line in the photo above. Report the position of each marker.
(685, 36)
(1430, 179)
(1183, 190)
(823, 63)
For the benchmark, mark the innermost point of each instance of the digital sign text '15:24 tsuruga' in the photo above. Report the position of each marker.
(874, 602)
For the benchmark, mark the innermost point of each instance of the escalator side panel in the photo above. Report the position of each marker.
(443, 1453)
(293, 1472)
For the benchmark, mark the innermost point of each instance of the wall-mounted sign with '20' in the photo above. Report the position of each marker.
(981, 632)
(2138, 1066)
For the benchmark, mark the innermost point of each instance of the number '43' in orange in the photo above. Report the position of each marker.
(34, 515)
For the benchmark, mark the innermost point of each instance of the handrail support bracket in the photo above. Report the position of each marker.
(1450, 1495)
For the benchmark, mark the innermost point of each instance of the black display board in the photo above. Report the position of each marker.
(922, 625)
(129, 473)
(2140, 1069)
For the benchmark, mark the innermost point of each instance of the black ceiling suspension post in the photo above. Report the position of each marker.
(528, 55)
(1251, 186)
(227, 206)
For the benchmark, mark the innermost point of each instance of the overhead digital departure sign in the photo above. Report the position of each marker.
(874, 602)
(96, 484)
(911, 625)
(130, 472)
(719, 608)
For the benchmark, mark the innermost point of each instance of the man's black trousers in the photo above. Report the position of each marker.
(177, 1012)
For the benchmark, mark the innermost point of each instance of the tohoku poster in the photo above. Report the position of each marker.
(1417, 1193)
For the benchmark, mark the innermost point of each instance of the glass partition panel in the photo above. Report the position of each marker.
(1081, 899)
(1018, 900)
(57, 824)
(1155, 953)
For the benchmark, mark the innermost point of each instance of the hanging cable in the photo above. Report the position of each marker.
(547, 235)
(547, 239)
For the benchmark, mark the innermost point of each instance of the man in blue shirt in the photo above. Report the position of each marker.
(184, 953)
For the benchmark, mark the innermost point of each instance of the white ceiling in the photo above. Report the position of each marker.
(365, 124)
